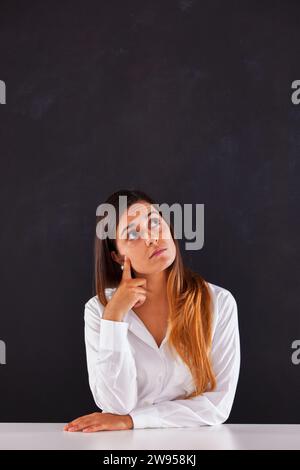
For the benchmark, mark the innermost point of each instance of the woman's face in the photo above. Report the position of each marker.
(147, 232)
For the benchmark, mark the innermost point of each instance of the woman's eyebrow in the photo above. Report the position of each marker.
(151, 211)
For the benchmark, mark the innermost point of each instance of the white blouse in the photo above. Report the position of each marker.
(129, 374)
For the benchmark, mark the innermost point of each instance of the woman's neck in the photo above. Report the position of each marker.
(156, 287)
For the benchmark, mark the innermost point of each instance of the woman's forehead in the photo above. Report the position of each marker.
(136, 213)
(138, 209)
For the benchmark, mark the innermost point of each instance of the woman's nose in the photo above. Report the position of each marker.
(151, 240)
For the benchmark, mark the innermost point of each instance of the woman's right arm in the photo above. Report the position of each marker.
(111, 365)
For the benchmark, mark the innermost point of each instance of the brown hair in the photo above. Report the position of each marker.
(190, 303)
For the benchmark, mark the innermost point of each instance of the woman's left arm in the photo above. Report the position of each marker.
(212, 407)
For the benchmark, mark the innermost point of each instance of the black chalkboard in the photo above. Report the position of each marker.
(190, 101)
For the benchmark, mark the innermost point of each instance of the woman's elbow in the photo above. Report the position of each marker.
(220, 416)
(114, 404)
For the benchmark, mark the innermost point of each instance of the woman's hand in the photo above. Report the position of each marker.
(131, 292)
(100, 422)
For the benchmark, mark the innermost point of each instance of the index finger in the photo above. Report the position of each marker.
(127, 268)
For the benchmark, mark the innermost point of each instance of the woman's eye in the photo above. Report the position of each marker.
(155, 220)
(132, 233)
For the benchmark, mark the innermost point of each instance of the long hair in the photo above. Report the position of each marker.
(189, 298)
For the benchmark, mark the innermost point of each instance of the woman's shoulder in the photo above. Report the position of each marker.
(219, 293)
(224, 304)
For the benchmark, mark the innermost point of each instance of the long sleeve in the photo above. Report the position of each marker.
(212, 407)
(110, 363)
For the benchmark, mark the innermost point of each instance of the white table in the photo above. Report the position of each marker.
(224, 436)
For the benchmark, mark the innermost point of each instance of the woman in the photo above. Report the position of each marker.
(162, 344)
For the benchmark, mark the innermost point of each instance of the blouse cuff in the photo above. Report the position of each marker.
(145, 417)
(113, 335)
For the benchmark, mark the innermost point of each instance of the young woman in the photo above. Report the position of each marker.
(162, 344)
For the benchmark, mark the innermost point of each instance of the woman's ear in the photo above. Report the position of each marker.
(117, 258)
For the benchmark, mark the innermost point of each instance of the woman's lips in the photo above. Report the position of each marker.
(158, 252)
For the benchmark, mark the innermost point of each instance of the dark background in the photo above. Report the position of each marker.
(187, 100)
